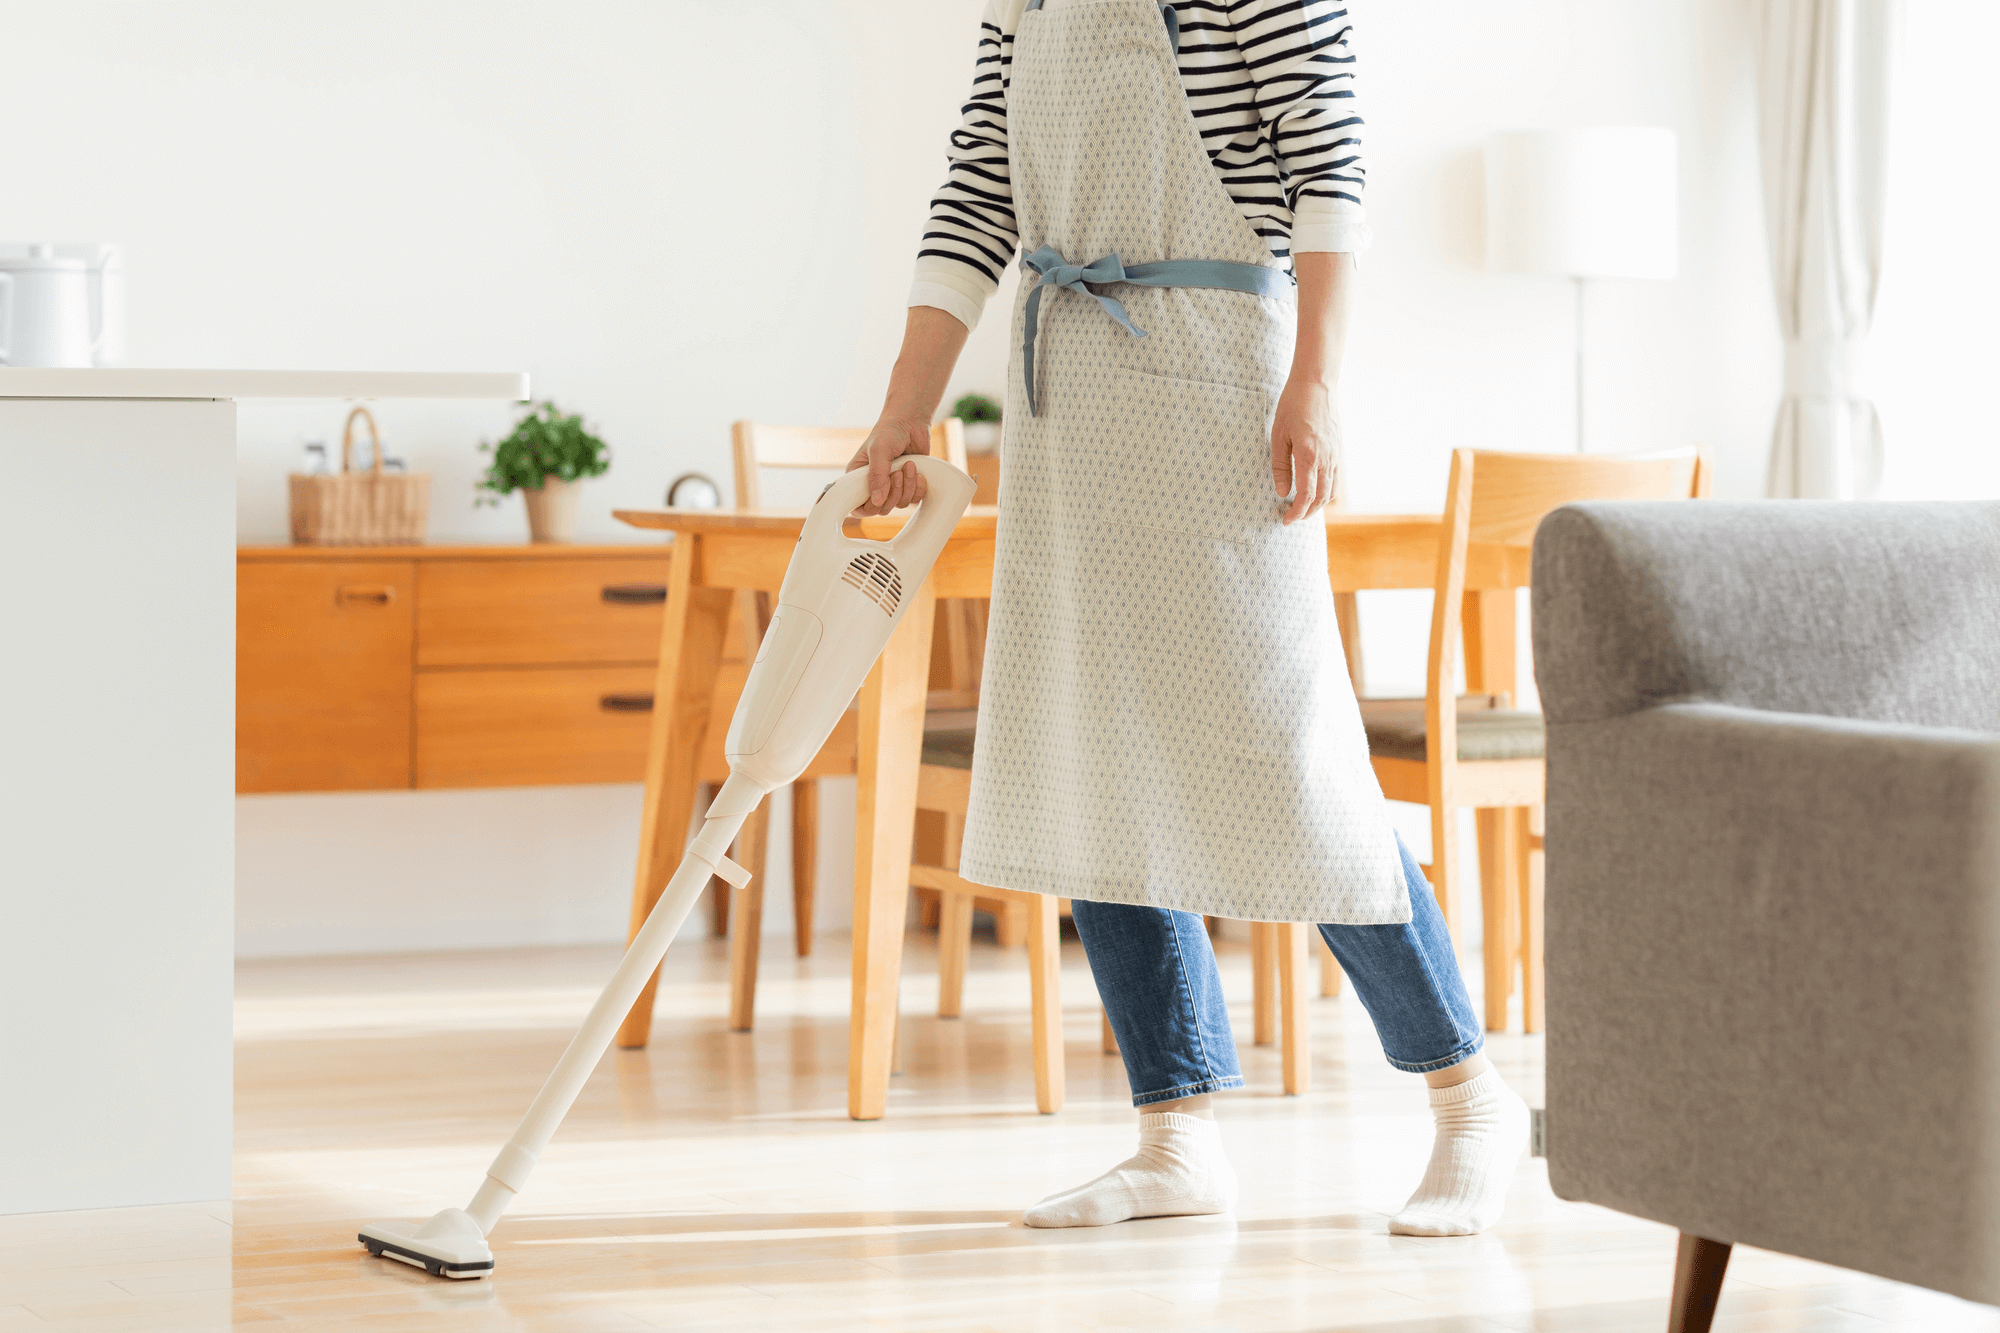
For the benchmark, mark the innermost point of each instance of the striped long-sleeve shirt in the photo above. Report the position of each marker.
(1271, 84)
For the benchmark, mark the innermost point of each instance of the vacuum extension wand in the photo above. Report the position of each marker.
(841, 600)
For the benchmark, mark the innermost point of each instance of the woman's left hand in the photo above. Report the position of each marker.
(1305, 447)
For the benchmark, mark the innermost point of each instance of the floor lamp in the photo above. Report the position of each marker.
(1581, 204)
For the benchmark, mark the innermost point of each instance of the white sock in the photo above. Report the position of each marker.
(1179, 1170)
(1482, 1130)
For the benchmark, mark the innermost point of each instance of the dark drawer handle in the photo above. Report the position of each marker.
(626, 703)
(379, 593)
(635, 594)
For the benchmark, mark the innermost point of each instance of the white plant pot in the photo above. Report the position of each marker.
(982, 437)
(551, 509)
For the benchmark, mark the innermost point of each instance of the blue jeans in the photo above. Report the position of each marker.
(1156, 975)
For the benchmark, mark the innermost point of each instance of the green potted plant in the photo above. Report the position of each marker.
(544, 458)
(981, 416)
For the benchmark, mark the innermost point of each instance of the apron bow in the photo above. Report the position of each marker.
(1055, 271)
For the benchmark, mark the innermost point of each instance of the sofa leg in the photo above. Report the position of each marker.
(1698, 1274)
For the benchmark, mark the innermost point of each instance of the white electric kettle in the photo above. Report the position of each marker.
(62, 305)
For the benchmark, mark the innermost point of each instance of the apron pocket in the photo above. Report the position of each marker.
(1193, 457)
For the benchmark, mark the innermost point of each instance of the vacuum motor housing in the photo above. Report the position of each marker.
(841, 600)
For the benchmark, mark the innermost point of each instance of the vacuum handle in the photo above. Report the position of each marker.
(950, 491)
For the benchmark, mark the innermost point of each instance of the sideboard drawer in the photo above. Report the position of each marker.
(532, 611)
(533, 726)
(323, 675)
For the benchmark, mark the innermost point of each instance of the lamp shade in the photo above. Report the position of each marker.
(1591, 203)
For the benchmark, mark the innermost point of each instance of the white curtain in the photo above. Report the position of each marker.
(1823, 104)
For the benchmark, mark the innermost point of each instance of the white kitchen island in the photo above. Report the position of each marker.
(117, 771)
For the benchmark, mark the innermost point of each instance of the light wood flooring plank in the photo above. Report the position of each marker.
(714, 1181)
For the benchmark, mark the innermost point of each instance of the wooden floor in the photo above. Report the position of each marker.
(715, 1182)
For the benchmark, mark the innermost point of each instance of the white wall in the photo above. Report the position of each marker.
(675, 215)
(367, 872)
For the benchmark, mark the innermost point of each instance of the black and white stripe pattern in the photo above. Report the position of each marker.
(1271, 86)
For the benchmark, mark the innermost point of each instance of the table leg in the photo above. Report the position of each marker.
(1263, 983)
(1347, 616)
(890, 744)
(1045, 988)
(805, 861)
(746, 920)
(690, 647)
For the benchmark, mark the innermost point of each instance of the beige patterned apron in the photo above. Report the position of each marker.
(1166, 717)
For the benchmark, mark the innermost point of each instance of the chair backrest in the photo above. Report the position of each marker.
(819, 448)
(1512, 493)
(1494, 502)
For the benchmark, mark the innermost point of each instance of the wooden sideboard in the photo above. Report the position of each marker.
(386, 667)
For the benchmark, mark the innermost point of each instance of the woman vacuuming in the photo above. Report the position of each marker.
(1166, 727)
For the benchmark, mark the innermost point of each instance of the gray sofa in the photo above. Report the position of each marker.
(1773, 893)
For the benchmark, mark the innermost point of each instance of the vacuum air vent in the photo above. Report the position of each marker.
(877, 578)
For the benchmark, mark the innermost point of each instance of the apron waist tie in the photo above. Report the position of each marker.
(1054, 271)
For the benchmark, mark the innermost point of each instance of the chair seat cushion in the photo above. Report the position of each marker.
(949, 748)
(1397, 732)
(1394, 732)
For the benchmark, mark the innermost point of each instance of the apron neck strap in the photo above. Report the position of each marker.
(1173, 22)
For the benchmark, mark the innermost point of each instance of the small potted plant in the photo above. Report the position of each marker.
(544, 458)
(981, 416)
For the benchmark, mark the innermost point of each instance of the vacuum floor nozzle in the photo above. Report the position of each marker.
(449, 1245)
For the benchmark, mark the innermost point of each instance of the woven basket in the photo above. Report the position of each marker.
(349, 508)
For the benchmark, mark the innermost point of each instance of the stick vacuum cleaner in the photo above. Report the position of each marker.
(841, 599)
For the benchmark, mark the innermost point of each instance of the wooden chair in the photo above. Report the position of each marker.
(738, 912)
(1449, 753)
(944, 786)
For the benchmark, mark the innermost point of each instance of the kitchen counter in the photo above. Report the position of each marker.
(117, 771)
(134, 382)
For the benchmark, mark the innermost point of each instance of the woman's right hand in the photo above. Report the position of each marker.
(890, 487)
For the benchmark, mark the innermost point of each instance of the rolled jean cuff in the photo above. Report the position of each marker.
(1457, 1057)
(1196, 1089)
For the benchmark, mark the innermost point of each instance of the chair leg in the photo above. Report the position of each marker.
(1107, 1039)
(1529, 877)
(746, 915)
(954, 839)
(717, 894)
(1498, 893)
(1264, 983)
(1045, 985)
(1010, 925)
(1698, 1272)
(1297, 1058)
(805, 861)
(717, 891)
(954, 947)
(1330, 975)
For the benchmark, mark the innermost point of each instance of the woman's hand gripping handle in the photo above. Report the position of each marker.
(932, 340)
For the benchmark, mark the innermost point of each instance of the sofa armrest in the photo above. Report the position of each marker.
(1888, 611)
(1774, 984)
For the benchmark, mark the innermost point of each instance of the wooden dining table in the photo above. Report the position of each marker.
(716, 553)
